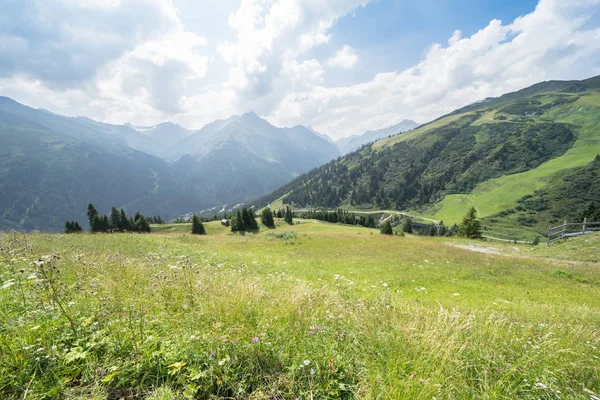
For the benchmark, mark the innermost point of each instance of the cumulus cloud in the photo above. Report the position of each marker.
(553, 42)
(345, 58)
(135, 61)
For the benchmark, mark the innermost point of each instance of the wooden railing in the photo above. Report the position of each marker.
(568, 230)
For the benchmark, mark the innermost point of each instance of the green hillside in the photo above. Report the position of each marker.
(493, 155)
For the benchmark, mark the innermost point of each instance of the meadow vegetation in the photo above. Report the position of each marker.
(313, 310)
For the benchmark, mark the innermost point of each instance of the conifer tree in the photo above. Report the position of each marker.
(105, 224)
(236, 223)
(407, 226)
(137, 216)
(72, 227)
(124, 222)
(246, 218)
(370, 222)
(386, 228)
(91, 213)
(470, 226)
(267, 218)
(115, 220)
(288, 215)
(240, 219)
(197, 227)
(253, 225)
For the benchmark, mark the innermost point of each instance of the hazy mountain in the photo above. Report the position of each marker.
(51, 166)
(526, 158)
(47, 177)
(346, 145)
(238, 159)
(158, 139)
(321, 135)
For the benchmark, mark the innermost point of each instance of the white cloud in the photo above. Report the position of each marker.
(553, 42)
(345, 58)
(135, 61)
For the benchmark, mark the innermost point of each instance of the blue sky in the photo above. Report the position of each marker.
(341, 66)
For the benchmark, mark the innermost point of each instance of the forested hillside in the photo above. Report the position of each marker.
(499, 138)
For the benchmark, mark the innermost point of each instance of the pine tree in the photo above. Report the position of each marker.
(115, 220)
(246, 219)
(442, 229)
(91, 213)
(235, 224)
(267, 218)
(386, 228)
(197, 227)
(288, 215)
(240, 219)
(137, 216)
(470, 226)
(253, 225)
(72, 227)
(105, 224)
(407, 226)
(124, 221)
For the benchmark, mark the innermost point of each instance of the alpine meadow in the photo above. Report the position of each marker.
(236, 202)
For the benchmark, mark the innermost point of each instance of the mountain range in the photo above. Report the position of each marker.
(526, 159)
(52, 166)
(351, 143)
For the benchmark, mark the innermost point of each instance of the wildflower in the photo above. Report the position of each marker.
(255, 340)
(311, 332)
(384, 284)
(212, 354)
(306, 362)
(312, 371)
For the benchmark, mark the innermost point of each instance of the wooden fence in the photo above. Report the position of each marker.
(568, 230)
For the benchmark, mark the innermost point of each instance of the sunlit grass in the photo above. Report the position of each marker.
(313, 310)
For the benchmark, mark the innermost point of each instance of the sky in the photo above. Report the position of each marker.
(340, 66)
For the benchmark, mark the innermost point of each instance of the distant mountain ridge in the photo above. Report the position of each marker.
(349, 144)
(52, 165)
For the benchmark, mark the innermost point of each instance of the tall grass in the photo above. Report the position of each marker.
(174, 317)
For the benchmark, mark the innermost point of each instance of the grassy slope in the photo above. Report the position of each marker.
(404, 317)
(499, 194)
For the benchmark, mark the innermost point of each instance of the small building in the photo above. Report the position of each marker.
(225, 222)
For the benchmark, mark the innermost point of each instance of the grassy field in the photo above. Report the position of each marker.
(313, 310)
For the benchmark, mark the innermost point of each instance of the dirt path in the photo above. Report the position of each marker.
(497, 252)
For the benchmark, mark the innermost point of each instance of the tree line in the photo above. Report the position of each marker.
(470, 227)
(339, 216)
(117, 221)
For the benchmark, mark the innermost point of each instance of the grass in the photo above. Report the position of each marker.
(422, 130)
(495, 195)
(314, 310)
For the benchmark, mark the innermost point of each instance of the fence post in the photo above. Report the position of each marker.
(584, 223)
(564, 230)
